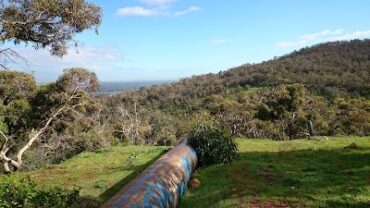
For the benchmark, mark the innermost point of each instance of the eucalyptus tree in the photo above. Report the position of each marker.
(48, 24)
(285, 105)
(27, 111)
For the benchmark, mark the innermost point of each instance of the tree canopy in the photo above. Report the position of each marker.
(26, 112)
(48, 24)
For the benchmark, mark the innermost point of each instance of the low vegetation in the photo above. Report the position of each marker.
(97, 175)
(323, 172)
(212, 145)
(22, 192)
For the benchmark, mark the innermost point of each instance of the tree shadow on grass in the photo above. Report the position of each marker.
(314, 178)
(90, 202)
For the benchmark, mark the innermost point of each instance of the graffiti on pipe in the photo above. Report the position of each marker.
(162, 184)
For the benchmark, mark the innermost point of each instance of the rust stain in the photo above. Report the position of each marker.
(162, 184)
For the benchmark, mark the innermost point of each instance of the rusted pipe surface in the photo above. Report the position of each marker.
(162, 184)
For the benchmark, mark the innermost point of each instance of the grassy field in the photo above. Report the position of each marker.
(301, 173)
(98, 175)
(298, 173)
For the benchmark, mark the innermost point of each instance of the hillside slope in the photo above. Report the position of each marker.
(342, 65)
(328, 84)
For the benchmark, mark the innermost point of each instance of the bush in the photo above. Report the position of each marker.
(211, 144)
(22, 192)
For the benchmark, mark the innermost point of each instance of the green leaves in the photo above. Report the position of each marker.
(17, 112)
(15, 85)
(27, 111)
(44, 23)
(3, 125)
(285, 106)
(22, 192)
(78, 78)
(211, 144)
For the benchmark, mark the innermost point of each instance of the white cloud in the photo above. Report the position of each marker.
(154, 8)
(136, 11)
(95, 58)
(159, 2)
(187, 11)
(354, 35)
(219, 41)
(323, 36)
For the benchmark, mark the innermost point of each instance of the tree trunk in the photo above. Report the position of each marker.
(310, 128)
(6, 167)
(136, 123)
(6, 161)
(17, 164)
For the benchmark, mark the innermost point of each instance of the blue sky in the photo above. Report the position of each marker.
(171, 39)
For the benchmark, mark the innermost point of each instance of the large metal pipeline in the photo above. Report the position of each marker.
(162, 184)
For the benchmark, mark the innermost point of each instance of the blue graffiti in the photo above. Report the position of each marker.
(158, 196)
(186, 165)
(185, 162)
(156, 193)
(181, 189)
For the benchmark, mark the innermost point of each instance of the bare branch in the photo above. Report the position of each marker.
(37, 134)
(46, 125)
(9, 56)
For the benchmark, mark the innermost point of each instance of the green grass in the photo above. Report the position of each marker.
(98, 175)
(301, 173)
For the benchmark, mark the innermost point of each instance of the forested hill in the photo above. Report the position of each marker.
(329, 68)
(327, 84)
(344, 65)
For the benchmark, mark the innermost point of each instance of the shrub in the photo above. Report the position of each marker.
(22, 192)
(211, 144)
